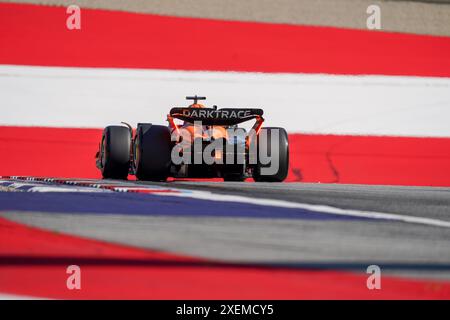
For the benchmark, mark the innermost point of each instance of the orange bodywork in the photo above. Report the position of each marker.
(215, 132)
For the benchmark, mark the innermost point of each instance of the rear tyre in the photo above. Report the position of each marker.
(115, 152)
(264, 147)
(152, 150)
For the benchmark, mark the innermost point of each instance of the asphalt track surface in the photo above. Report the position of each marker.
(268, 234)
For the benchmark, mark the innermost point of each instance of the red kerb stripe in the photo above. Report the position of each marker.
(37, 35)
(110, 271)
(62, 152)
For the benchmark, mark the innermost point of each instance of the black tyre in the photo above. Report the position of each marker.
(283, 156)
(115, 152)
(152, 150)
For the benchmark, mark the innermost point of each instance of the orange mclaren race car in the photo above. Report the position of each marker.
(207, 144)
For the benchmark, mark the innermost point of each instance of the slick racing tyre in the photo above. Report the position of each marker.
(262, 172)
(115, 152)
(152, 150)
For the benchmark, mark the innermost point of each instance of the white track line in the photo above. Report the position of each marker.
(7, 296)
(205, 195)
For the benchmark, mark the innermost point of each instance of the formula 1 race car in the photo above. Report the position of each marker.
(207, 144)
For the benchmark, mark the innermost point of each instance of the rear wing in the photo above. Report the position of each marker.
(220, 117)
